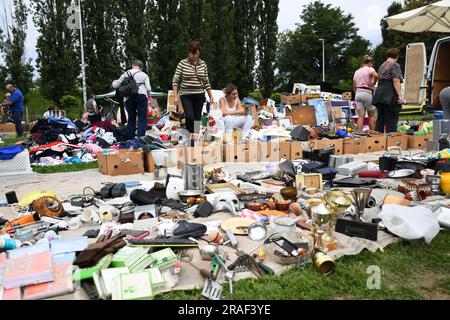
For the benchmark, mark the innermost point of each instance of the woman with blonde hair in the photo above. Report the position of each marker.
(364, 81)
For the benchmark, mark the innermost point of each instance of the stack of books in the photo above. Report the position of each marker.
(61, 285)
(133, 286)
(128, 256)
(28, 270)
(163, 259)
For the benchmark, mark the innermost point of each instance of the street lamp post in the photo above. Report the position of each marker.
(323, 59)
(83, 64)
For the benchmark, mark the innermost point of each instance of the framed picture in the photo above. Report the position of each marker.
(285, 122)
(309, 181)
(224, 187)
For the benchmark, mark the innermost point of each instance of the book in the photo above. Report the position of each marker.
(41, 246)
(141, 264)
(27, 270)
(163, 259)
(133, 286)
(127, 256)
(107, 277)
(10, 294)
(157, 278)
(61, 285)
(69, 245)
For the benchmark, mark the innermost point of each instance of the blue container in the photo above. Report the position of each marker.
(439, 115)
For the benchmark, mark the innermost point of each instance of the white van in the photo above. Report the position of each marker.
(424, 80)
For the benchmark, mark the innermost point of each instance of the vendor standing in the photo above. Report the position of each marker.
(192, 73)
(15, 104)
(388, 96)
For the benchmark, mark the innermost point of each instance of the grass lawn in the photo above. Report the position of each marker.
(408, 273)
(66, 168)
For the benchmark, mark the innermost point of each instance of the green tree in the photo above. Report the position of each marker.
(398, 39)
(267, 44)
(101, 47)
(245, 45)
(170, 42)
(299, 57)
(58, 59)
(12, 48)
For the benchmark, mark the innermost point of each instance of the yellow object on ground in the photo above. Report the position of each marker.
(30, 197)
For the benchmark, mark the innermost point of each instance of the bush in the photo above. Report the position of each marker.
(72, 105)
(276, 96)
(257, 96)
(69, 102)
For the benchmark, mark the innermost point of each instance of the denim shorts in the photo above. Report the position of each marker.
(364, 101)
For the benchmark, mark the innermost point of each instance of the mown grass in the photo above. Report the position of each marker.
(408, 273)
(66, 168)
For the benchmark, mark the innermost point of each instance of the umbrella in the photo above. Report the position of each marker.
(432, 18)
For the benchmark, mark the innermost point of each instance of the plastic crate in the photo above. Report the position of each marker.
(20, 164)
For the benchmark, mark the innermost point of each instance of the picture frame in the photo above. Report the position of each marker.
(309, 181)
(224, 187)
(285, 122)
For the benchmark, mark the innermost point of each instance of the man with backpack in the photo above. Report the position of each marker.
(134, 85)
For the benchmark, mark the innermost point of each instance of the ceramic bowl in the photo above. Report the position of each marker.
(289, 193)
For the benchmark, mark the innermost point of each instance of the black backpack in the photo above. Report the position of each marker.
(129, 87)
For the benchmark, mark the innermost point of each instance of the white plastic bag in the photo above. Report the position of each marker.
(410, 223)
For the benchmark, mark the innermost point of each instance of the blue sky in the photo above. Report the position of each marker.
(367, 15)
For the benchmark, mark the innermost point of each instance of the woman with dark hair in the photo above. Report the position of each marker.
(235, 116)
(192, 73)
(388, 96)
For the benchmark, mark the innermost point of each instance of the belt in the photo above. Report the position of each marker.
(370, 89)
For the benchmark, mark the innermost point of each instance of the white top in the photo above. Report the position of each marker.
(141, 78)
(231, 108)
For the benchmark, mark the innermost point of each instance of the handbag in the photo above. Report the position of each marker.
(388, 162)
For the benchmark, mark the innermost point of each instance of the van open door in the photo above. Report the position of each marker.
(439, 71)
(415, 78)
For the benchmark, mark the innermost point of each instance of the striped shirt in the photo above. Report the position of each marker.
(194, 78)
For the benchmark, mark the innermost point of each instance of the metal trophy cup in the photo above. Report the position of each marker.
(338, 202)
(361, 196)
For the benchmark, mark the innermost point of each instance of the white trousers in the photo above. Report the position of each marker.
(238, 122)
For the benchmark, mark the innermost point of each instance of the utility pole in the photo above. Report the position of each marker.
(323, 59)
(75, 22)
(83, 65)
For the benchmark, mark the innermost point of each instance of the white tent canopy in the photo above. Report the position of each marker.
(431, 18)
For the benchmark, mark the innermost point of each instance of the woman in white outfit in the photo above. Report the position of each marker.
(235, 116)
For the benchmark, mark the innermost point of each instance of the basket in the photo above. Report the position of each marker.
(20, 164)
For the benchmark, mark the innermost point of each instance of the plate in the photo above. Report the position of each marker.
(239, 226)
(404, 173)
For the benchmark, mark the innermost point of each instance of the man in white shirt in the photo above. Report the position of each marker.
(137, 105)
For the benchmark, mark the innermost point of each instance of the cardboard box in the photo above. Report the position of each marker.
(274, 152)
(122, 163)
(337, 144)
(376, 144)
(212, 154)
(355, 146)
(397, 140)
(292, 99)
(347, 96)
(302, 115)
(7, 127)
(149, 163)
(190, 155)
(240, 153)
(419, 142)
(296, 150)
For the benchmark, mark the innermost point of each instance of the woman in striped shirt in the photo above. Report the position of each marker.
(192, 73)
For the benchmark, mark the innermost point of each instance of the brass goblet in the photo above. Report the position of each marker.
(321, 217)
(338, 202)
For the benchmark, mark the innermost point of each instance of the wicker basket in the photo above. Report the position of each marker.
(20, 164)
